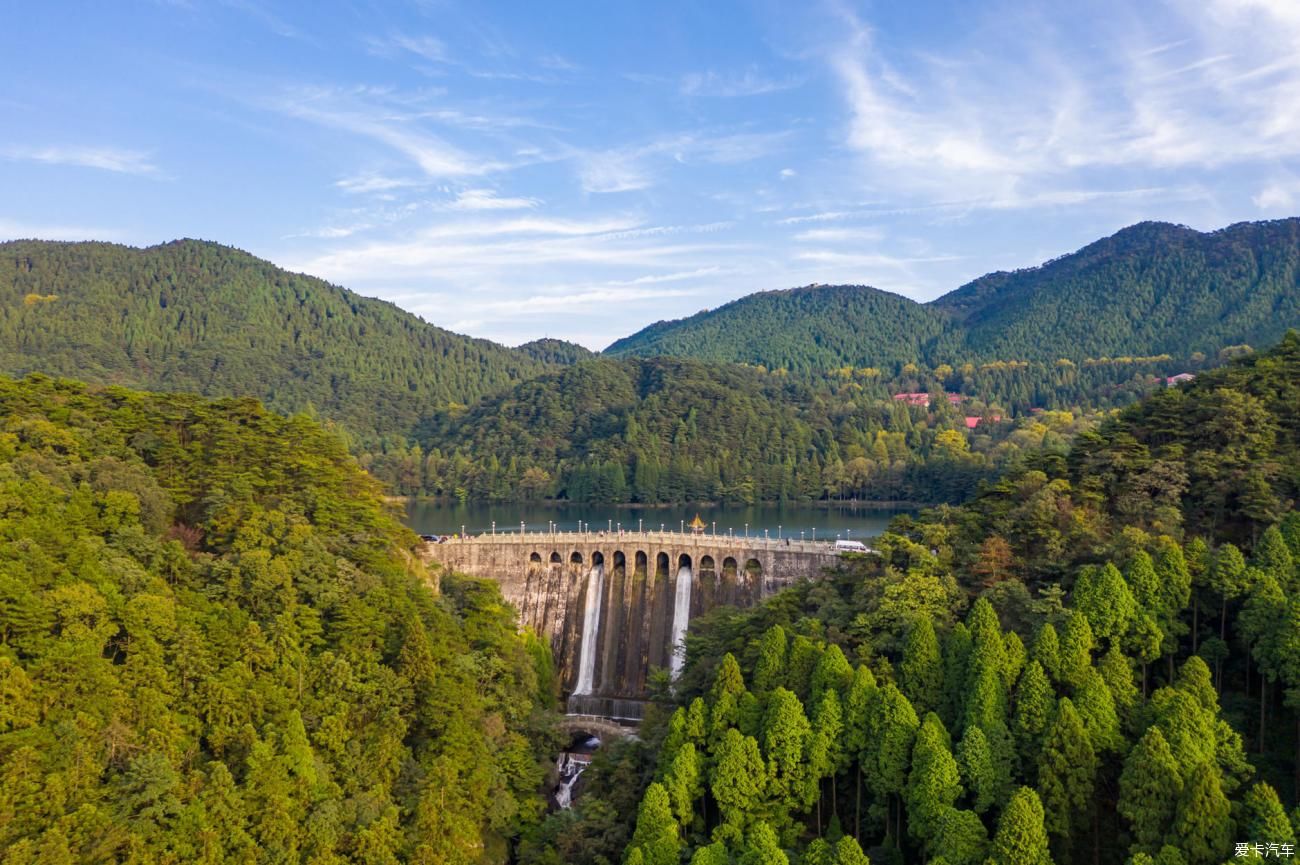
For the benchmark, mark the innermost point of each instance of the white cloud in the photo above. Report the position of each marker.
(999, 125)
(1277, 196)
(434, 156)
(730, 84)
(840, 235)
(429, 48)
(630, 168)
(366, 183)
(486, 199)
(104, 158)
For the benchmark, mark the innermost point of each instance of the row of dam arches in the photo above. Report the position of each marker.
(634, 597)
(753, 568)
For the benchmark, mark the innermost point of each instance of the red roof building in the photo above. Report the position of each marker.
(1179, 379)
(923, 399)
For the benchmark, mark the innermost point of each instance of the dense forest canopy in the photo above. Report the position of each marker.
(555, 351)
(203, 318)
(216, 646)
(1097, 660)
(1152, 288)
(670, 429)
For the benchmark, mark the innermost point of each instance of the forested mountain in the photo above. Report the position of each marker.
(216, 646)
(1097, 660)
(203, 318)
(1150, 289)
(671, 430)
(555, 351)
(802, 329)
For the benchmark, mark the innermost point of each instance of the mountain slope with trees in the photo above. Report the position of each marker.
(1150, 289)
(203, 318)
(217, 646)
(813, 328)
(1097, 660)
(672, 430)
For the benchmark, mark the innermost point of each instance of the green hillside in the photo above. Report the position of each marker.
(555, 351)
(1097, 660)
(216, 646)
(800, 329)
(208, 319)
(1150, 289)
(671, 430)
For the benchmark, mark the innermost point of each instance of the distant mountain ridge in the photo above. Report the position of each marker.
(197, 316)
(1150, 288)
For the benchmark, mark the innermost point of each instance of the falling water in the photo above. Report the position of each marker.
(681, 616)
(570, 770)
(590, 628)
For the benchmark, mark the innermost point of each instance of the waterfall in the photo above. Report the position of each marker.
(570, 770)
(681, 617)
(590, 629)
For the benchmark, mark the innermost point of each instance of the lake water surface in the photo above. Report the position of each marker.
(860, 521)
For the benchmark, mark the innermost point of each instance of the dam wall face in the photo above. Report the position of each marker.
(635, 585)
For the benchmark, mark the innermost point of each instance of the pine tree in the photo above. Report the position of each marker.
(656, 836)
(786, 736)
(1117, 672)
(956, 664)
(934, 783)
(738, 781)
(682, 782)
(713, 854)
(921, 670)
(1067, 770)
(1265, 818)
(762, 847)
(769, 670)
(888, 752)
(826, 754)
(1076, 650)
(1047, 651)
(1096, 707)
(1035, 705)
(961, 838)
(1143, 582)
(833, 671)
(978, 772)
(1021, 838)
(1225, 579)
(1202, 825)
(1101, 594)
(1273, 556)
(848, 852)
(858, 712)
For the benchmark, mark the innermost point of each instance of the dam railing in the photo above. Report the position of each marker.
(661, 538)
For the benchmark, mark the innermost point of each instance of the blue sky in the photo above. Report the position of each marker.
(581, 169)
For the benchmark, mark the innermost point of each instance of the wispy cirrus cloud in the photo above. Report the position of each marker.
(750, 82)
(400, 130)
(121, 161)
(486, 199)
(1226, 91)
(634, 167)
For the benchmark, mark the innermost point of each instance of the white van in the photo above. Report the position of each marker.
(851, 547)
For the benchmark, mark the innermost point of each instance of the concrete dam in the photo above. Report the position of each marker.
(615, 604)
